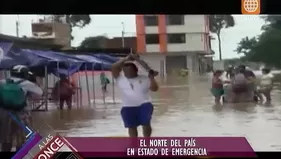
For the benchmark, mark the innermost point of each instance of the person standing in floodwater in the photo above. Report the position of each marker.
(104, 82)
(137, 108)
(63, 92)
(217, 86)
(251, 80)
(229, 72)
(239, 86)
(266, 85)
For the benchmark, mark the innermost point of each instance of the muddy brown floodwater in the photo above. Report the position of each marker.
(182, 108)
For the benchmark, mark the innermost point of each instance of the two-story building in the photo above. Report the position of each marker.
(170, 42)
(52, 30)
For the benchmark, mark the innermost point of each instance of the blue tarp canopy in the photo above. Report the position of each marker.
(56, 62)
(108, 58)
(6, 62)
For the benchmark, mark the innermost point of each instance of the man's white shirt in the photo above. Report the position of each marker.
(266, 80)
(134, 91)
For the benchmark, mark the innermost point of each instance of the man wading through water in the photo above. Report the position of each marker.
(63, 92)
(251, 78)
(137, 107)
(14, 92)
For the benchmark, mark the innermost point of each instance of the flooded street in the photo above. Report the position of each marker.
(182, 108)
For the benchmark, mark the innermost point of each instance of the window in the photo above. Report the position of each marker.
(152, 39)
(175, 19)
(42, 28)
(176, 38)
(151, 20)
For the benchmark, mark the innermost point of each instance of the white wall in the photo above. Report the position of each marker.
(154, 61)
(194, 42)
(195, 29)
(152, 48)
(193, 24)
(151, 30)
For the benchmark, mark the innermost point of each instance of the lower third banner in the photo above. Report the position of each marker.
(168, 147)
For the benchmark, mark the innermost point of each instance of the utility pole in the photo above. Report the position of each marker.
(17, 26)
(1, 23)
(123, 34)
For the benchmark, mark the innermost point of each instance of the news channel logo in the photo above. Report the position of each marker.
(251, 5)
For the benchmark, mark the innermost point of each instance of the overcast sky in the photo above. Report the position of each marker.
(111, 25)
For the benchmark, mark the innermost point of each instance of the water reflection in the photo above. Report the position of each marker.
(184, 108)
(218, 107)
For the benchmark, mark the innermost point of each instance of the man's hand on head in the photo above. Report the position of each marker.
(131, 57)
(153, 84)
(117, 66)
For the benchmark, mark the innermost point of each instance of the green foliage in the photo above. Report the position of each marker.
(246, 45)
(76, 20)
(267, 47)
(219, 22)
(94, 42)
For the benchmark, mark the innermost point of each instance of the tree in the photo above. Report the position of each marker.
(94, 42)
(266, 48)
(272, 21)
(76, 20)
(246, 45)
(219, 22)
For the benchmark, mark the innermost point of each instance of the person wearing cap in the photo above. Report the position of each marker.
(137, 108)
(10, 129)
